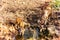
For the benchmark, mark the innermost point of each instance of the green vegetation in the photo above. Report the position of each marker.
(56, 4)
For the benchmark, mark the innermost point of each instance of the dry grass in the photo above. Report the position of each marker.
(10, 10)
